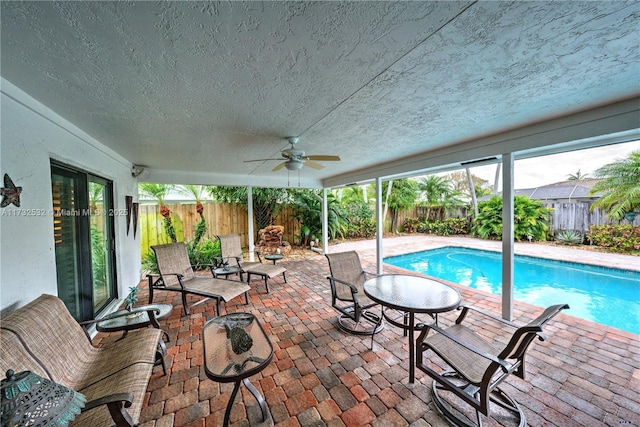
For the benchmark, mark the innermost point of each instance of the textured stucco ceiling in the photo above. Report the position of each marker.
(202, 86)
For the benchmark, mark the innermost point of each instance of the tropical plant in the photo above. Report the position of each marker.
(360, 220)
(620, 183)
(403, 195)
(159, 192)
(439, 191)
(445, 227)
(409, 225)
(266, 201)
(197, 192)
(531, 219)
(577, 176)
(307, 208)
(621, 238)
(203, 254)
(98, 259)
(569, 237)
(149, 263)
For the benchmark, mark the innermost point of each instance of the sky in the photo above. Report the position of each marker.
(538, 171)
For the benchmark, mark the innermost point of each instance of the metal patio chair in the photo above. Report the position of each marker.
(477, 365)
(347, 295)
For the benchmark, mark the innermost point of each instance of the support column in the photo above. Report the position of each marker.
(379, 225)
(325, 222)
(250, 225)
(507, 236)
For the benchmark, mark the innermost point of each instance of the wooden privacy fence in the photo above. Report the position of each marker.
(565, 216)
(221, 218)
(579, 216)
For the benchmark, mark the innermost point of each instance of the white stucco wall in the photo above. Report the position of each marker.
(30, 136)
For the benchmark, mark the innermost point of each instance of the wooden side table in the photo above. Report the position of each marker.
(223, 365)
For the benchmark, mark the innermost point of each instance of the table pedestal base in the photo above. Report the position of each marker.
(234, 393)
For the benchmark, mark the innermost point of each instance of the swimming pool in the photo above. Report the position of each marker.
(604, 295)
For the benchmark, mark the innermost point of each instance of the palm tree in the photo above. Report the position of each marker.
(159, 192)
(578, 176)
(403, 195)
(197, 192)
(266, 201)
(620, 183)
(438, 191)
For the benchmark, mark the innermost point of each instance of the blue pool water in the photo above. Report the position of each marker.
(604, 295)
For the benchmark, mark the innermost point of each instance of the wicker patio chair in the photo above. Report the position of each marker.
(177, 275)
(347, 295)
(477, 365)
(231, 254)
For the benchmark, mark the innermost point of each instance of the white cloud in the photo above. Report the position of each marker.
(545, 170)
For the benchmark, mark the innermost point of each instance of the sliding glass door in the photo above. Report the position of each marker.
(84, 240)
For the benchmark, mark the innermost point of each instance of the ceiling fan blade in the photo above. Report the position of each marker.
(324, 158)
(313, 165)
(280, 166)
(259, 160)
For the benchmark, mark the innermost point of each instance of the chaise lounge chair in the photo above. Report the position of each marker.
(177, 275)
(231, 253)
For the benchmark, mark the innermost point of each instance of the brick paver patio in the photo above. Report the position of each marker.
(584, 374)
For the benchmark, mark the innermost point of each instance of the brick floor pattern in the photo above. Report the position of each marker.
(584, 374)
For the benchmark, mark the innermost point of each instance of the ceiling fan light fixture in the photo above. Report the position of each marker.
(293, 164)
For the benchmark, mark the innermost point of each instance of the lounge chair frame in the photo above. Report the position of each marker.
(177, 275)
(231, 255)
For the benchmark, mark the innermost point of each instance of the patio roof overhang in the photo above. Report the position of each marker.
(393, 88)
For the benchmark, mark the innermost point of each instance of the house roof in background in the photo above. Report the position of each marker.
(578, 189)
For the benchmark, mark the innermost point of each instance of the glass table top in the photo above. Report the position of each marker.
(134, 321)
(235, 347)
(412, 293)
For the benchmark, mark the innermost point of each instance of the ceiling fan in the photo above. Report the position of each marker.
(295, 159)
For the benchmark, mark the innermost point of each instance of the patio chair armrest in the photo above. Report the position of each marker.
(333, 280)
(116, 403)
(420, 344)
(196, 267)
(259, 253)
(466, 308)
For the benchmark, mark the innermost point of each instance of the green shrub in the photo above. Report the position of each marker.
(623, 238)
(569, 237)
(457, 225)
(531, 219)
(360, 220)
(149, 262)
(446, 227)
(203, 254)
(409, 225)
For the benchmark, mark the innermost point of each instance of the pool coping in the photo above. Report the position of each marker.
(415, 243)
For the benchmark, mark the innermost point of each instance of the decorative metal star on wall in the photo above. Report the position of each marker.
(10, 193)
